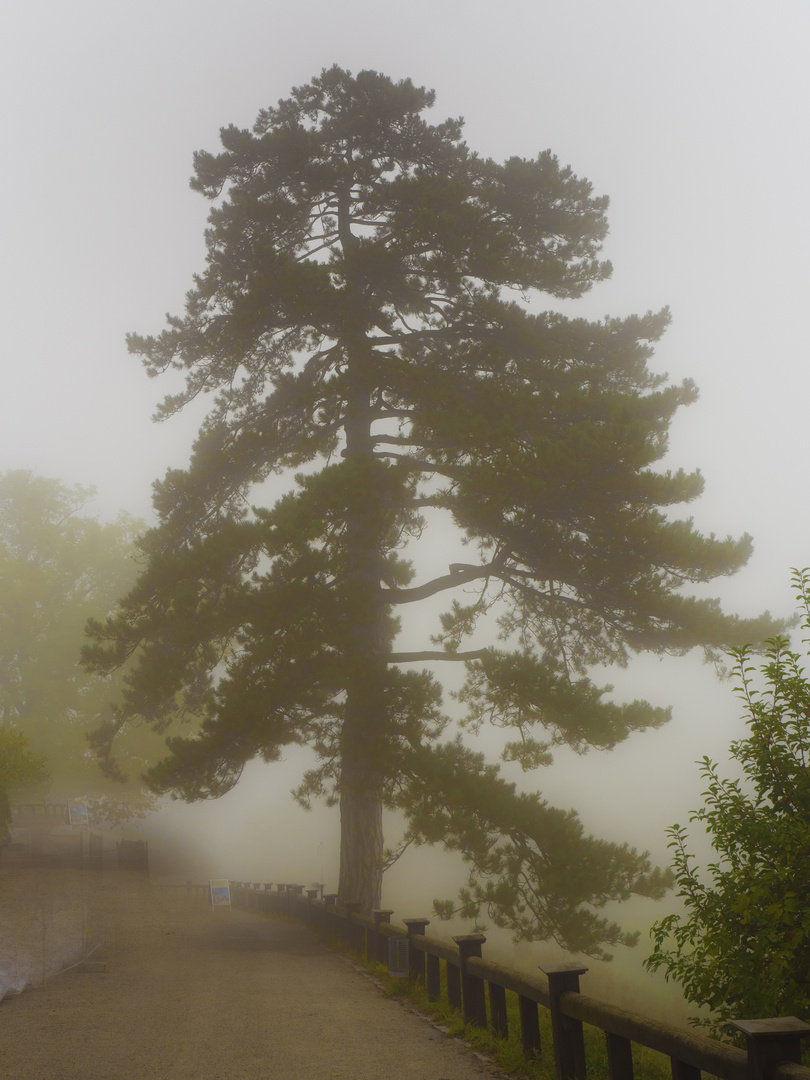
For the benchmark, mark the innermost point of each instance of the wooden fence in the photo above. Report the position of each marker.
(32, 842)
(477, 988)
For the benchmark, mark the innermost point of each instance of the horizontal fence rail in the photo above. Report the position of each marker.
(477, 988)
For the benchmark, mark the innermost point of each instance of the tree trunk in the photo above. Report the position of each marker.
(361, 835)
(366, 648)
(364, 737)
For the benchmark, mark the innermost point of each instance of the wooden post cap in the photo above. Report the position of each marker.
(777, 1027)
(416, 923)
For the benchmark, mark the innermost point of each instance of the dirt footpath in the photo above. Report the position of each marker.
(191, 992)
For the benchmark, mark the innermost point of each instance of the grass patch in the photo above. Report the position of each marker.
(508, 1054)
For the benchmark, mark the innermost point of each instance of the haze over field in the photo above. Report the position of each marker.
(690, 118)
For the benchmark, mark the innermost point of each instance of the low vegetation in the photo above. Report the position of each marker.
(741, 945)
(508, 1053)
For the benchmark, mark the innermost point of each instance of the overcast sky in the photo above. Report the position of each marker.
(690, 116)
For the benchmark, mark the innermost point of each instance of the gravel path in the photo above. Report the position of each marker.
(191, 992)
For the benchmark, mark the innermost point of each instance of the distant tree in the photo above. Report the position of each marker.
(741, 947)
(361, 319)
(20, 769)
(57, 568)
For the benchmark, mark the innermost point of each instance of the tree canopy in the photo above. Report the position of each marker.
(20, 770)
(370, 314)
(58, 567)
(741, 946)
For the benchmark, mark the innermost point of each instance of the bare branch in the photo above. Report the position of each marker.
(428, 656)
(459, 575)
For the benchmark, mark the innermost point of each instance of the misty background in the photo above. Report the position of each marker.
(691, 117)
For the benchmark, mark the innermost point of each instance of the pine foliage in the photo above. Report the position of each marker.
(369, 331)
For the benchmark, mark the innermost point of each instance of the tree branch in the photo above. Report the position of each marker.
(420, 465)
(429, 655)
(460, 574)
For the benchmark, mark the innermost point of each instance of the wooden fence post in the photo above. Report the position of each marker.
(434, 977)
(328, 913)
(473, 997)
(529, 1027)
(498, 1017)
(293, 894)
(280, 899)
(770, 1041)
(569, 1043)
(453, 985)
(379, 951)
(350, 934)
(620, 1057)
(416, 957)
(311, 894)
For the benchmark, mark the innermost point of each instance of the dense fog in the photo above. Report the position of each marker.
(690, 118)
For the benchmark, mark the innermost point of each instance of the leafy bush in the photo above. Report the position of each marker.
(742, 946)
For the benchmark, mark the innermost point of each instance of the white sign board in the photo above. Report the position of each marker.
(78, 815)
(220, 892)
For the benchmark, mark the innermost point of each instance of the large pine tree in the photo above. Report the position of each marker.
(368, 314)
